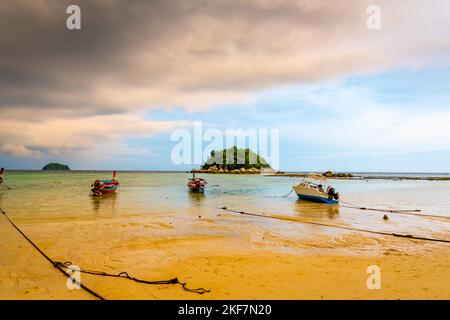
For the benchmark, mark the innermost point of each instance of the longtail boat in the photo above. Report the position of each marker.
(101, 187)
(197, 185)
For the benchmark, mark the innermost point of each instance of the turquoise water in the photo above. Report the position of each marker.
(60, 196)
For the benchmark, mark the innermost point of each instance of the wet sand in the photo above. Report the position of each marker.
(154, 229)
(234, 256)
(25, 274)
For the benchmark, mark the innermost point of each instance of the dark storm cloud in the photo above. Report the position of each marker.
(152, 50)
(160, 45)
(41, 59)
(137, 55)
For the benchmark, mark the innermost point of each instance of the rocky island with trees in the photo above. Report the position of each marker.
(55, 166)
(234, 160)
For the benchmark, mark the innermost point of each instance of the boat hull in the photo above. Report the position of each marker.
(196, 185)
(197, 189)
(107, 187)
(317, 199)
(313, 195)
(104, 191)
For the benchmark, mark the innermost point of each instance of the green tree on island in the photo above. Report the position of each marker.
(56, 166)
(235, 158)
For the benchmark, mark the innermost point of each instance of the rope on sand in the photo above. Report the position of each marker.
(64, 266)
(399, 211)
(125, 275)
(92, 292)
(335, 226)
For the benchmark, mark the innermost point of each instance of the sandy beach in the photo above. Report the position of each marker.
(158, 234)
(252, 149)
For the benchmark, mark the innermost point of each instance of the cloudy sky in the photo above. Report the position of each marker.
(343, 96)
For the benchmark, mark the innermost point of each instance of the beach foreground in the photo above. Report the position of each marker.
(261, 266)
(235, 256)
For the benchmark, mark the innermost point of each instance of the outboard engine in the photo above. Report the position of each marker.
(332, 194)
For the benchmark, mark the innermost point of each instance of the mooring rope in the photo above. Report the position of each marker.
(399, 211)
(63, 266)
(284, 196)
(125, 275)
(335, 226)
(87, 289)
(357, 206)
(360, 207)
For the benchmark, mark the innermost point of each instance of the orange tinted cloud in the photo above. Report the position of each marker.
(63, 89)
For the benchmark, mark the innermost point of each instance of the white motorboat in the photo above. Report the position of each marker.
(314, 187)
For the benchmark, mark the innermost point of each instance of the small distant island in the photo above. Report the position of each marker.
(56, 166)
(234, 160)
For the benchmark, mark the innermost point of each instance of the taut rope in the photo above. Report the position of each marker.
(335, 226)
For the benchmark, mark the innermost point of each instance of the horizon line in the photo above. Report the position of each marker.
(188, 171)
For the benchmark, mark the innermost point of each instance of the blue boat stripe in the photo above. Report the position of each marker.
(316, 199)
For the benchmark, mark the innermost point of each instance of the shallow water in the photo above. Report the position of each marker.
(64, 196)
(155, 229)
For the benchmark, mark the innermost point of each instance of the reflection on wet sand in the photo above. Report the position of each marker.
(196, 198)
(315, 210)
(107, 201)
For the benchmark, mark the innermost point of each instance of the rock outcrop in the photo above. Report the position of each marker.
(330, 174)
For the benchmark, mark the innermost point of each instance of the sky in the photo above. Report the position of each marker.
(343, 97)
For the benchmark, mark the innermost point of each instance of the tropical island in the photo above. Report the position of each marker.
(234, 160)
(55, 166)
